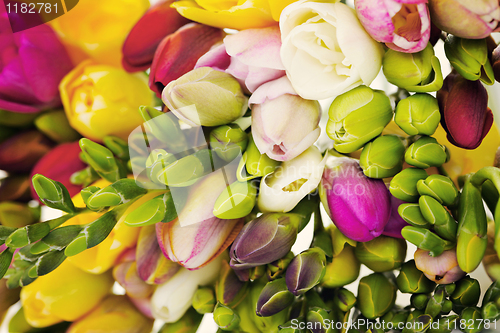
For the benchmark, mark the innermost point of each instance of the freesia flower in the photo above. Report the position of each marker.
(173, 298)
(96, 29)
(32, 63)
(464, 102)
(396, 223)
(20, 152)
(158, 22)
(96, 108)
(252, 56)
(233, 14)
(466, 19)
(177, 53)
(325, 49)
(114, 314)
(282, 190)
(66, 294)
(442, 269)
(404, 25)
(59, 164)
(283, 124)
(359, 206)
(197, 237)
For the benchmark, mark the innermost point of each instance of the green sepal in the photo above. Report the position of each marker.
(118, 146)
(53, 194)
(57, 239)
(164, 127)
(411, 213)
(5, 233)
(426, 240)
(120, 192)
(87, 192)
(158, 209)
(5, 260)
(404, 185)
(84, 177)
(102, 160)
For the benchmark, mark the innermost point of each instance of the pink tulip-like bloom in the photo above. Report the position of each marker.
(32, 63)
(178, 52)
(464, 111)
(359, 206)
(252, 56)
(284, 124)
(403, 25)
(158, 22)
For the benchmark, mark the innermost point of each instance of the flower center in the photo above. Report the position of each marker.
(407, 23)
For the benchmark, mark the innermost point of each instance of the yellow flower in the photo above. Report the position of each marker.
(96, 29)
(114, 314)
(235, 14)
(66, 294)
(102, 257)
(102, 100)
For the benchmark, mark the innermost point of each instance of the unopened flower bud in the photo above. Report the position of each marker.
(228, 141)
(472, 316)
(343, 269)
(469, 57)
(226, 318)
(305, 271)
(404, 185)
(356, 117)
(418, 114)
(466, 293)
(229, 289)
(320, 320)
(376, 295)
(419, 301)
(344, 300)
(205, 97)
(55, 125)
(277, 267)
(426, 152)
(258, 164)
(382, 253)
(410, 212)
(442, 269)
(419, 72)
(204, 300)
(383, 157)
(444, 224)
(236, 201)
(188, 323)
(411, 280)
(274, 297)
(439, 187)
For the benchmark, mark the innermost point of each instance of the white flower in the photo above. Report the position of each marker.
(325, 49)
(173, 298)
(282, 190)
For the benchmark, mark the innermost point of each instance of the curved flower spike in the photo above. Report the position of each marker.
(403, 25)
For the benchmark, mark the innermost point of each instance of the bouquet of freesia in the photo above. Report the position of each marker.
(234, 161)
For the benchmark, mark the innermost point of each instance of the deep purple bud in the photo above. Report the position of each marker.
(396, 223)
(464, 111)
(305, 271)
(264, 240)
(274, 298)
(359, 206)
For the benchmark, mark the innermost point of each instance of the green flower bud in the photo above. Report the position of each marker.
(376, 295)
(229, 289)
(258, 164)
(53, 193)
(490, 311)
(435, 304)
(16, 119)
(119, 192)
(356, 117)
(162, 126)
(404, 185)
(274, 298)
(157, 209)
(412, 214)
(55, 125)
(118, 146)
(419, 72)
(426, 152)
(472, 319)
(256, 272)
(236, 201)
(419, 301)
(469, 57)
(426, 240)
(383, 157)
(205, 97)
(265, 324)
(493, 293)
(418, 114)
(188, 323)
(226, 318)
(228, 141)
(319, 320)
(417, 322)
(204, 300)
(276, 268)
(344, 300)
(444, 224)
(294, 326)
(382, 254)
(440, 188)
(102, 160)
(447, 307)
(411, 280)
(84, 177)
(343, 269)
(443, 325)
(466, 294)
(17, 215)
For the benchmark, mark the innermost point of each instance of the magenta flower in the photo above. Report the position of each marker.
(396, 223)
(359, 206)
(32, 63)
(403, 25)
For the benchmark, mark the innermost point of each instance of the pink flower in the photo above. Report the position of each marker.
(252, 56)
(403, 25)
